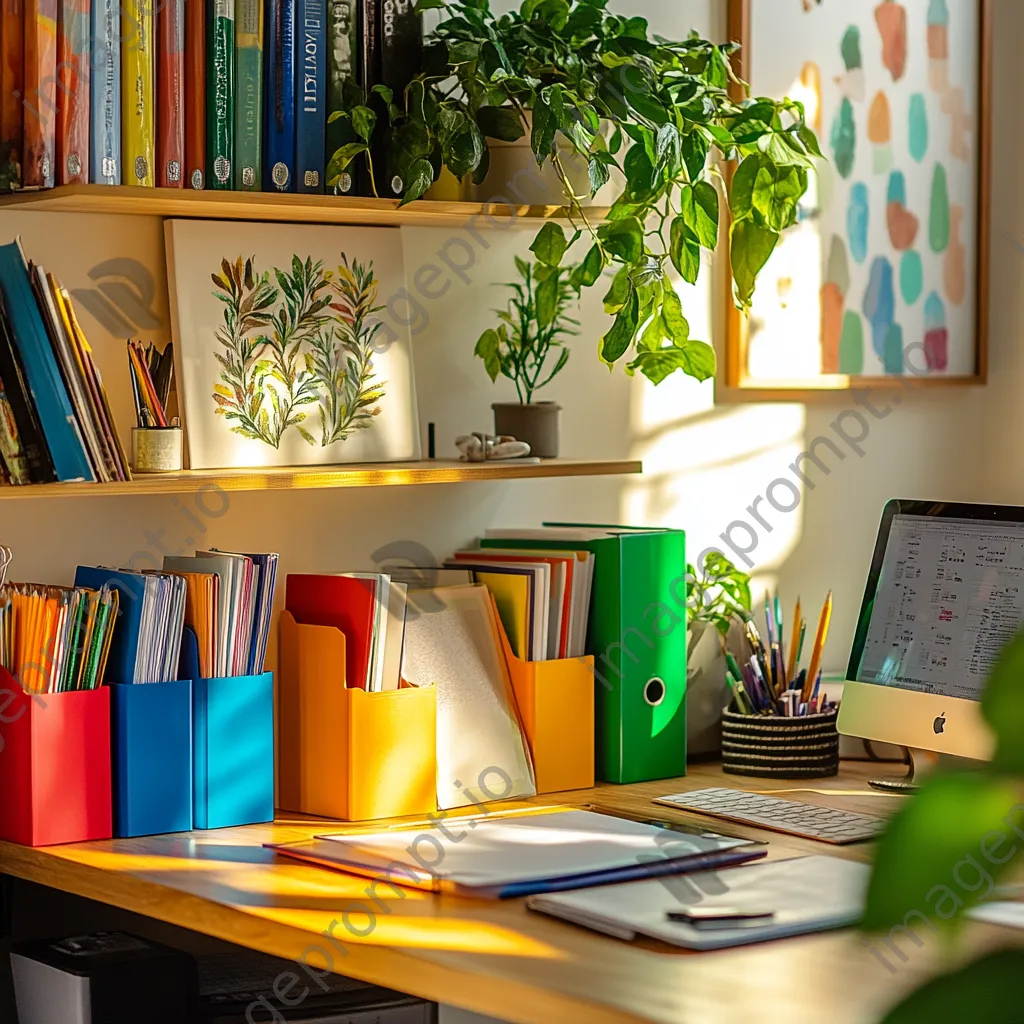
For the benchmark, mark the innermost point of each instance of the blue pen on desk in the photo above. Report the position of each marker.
(768, 621)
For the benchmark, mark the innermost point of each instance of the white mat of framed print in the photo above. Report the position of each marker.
(286, 355)
(884, 276)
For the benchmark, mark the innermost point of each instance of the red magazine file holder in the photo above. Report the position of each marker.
(54, 765)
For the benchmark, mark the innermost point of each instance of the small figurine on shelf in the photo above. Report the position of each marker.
(479, 447)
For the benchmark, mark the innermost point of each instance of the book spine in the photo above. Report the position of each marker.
(12, 87)
(249, 95)
(220, 93)
(311, 95)
(401, 58)
(105, 93)
(195, 93)
(73, 93)
(170, 94)
(137, 113)
(342, 73)
(369, 76)
(12, 453)
(40, 93)
(279, 130)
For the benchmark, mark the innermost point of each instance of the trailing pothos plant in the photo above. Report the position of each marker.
(656, 109)
(719, 593)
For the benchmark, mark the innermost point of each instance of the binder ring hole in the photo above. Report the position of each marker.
(654, 691)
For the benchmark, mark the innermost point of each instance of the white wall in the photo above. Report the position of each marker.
(705, 464)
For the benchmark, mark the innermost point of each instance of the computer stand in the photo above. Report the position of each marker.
(921, 762)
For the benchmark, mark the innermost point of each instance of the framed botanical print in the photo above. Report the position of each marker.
(884, 276)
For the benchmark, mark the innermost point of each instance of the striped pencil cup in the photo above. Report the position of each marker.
(773, 747)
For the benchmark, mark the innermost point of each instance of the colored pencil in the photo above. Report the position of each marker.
(819, 643)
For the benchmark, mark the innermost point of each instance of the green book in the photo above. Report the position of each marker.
(220, 94)
(248, 95)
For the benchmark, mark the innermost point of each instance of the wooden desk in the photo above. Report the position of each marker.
(493, 957)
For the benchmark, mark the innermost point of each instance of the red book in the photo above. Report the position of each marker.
(12, 85)
(40, 93)
(195, 93)
(170, 94)
(73, 94)
(345, 602)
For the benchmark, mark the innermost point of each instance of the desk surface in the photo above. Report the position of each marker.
(497, 958)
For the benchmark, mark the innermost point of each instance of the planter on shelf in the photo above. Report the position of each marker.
(536, 424)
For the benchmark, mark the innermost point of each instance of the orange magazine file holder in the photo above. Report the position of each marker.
(343, 752)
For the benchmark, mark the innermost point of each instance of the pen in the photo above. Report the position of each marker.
(794, 642)
(768, 621)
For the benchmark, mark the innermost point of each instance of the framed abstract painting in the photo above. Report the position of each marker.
(885, 275)
(289, 350)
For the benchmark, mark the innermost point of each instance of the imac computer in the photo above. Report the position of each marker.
(944, 595)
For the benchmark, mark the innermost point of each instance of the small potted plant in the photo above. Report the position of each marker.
(528, 347)
(719, 602)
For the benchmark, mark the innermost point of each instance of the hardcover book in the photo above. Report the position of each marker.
(220, 94)
(279, 101)
(12, 87)
(342, 73)
(105, 93)
(137, 113)
(311, 95)
(73, 93)
(249, 98)
(40, 106)
(195, 93)
(170, 146)
(369, 76)
(401, 58)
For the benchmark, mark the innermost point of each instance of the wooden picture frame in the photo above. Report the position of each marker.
(735, 381)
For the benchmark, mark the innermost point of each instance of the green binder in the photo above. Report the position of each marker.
(637, 634)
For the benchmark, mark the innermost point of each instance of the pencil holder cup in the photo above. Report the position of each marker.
(156, 449)
(769, 747)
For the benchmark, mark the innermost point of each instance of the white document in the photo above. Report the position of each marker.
(808, 894)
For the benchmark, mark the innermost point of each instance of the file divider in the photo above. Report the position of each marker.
(54, 765)
(346, 753)
(151, 732)
(232, 745)
(556, 708)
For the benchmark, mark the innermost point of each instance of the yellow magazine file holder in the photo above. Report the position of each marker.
(343, 752)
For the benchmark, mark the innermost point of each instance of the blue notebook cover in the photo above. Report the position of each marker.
(105, 94)
(310, 95)
(279, 97)
(125, 642)
(42, 374)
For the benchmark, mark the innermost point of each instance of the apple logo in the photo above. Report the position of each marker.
(939, 725)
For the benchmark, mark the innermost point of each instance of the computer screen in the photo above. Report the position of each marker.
(948, 595)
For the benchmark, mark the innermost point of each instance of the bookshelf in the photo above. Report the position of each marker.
(383, 474)
(267, 206)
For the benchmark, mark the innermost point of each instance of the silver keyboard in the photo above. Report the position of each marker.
(808, 821)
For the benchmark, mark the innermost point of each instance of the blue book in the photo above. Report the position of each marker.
(42, 374)
(279, 97)
(105, 98)
(131, 593)
(310, 94)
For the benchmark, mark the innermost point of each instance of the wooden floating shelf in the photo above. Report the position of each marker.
(269, 206)
(378, 474)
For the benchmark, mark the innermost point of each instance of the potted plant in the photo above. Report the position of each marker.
(564, 71)
(528, 347)
(718, 603)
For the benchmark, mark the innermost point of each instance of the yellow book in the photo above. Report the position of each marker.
(138, 98)
(511, 594)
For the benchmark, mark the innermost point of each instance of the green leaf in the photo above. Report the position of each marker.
(364, 120)
(343, 156)
(542, 137)
(617, 341)
(547, 300)
(741, 191)
(684, 249)
(465, 51)
(429, 5)
(669, 144)
(599, 175)
(695, 154)
(500, 123)
(809, 139)
(696, 359)
(986, 991)
(550, 244)
(752, 245)
(624, 238)
(587, 273)
(488, 349)
(1002, 706)
(777, 192)
(699, 205)
(930, 844)
(619, 291)
(672, 313)
(420, 178)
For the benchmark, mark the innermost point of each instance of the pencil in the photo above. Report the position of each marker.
(794, 642)
(819, 643)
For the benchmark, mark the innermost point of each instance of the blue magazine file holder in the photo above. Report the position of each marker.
(233, 745)
(151, 737)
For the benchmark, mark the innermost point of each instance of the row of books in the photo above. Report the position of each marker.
(55, 420)
(222, 94)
